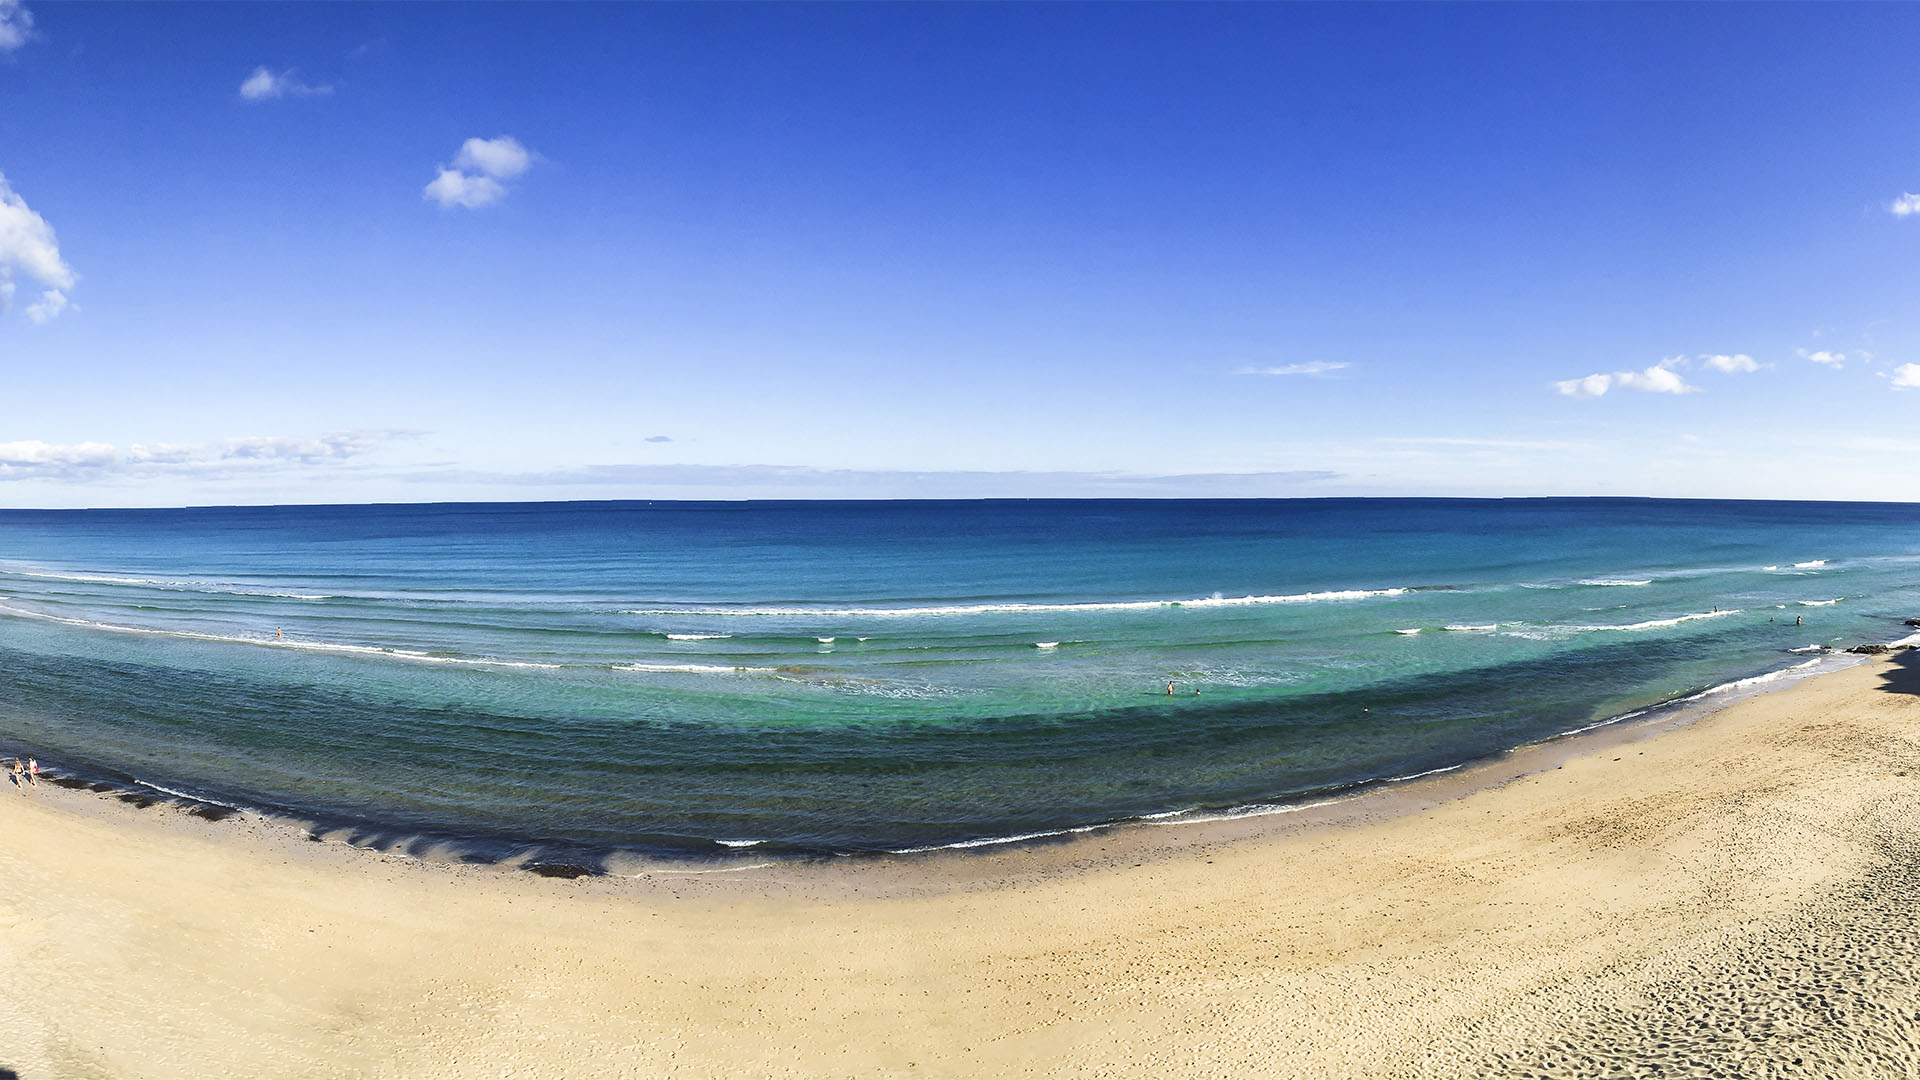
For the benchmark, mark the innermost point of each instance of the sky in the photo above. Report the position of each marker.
(404, 253)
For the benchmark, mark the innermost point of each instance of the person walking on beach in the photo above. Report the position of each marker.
(33, 772)
(19, 774)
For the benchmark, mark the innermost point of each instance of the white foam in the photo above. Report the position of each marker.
(1809, 648)
(226, 588)
(1809, 564)
(1616, 581)
(1755, 680)
(824, 640)
(1429, 772)
(1410, 630)
(694, 669)
(1821, 603)
(1488, 626)
(992, 841)
(279, 643)
(1655, 624)
(1016, 608)
(1250, 810)
(696, 637)
(1770, 568)
(739, 843)
(1046, 644)
(150, 785)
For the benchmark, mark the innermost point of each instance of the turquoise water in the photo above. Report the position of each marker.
(694, 678)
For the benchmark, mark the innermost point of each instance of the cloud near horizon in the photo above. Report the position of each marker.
(805, 480)
(1311, 367)
(266, 85)
(28, 249)
(475, 178)
(33, 459)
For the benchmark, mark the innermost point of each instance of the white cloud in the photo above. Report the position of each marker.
(1905, 204)
(53, 457)
(1906, 377)
(1732, 365)
(1658, 379)
(1311, 367)
(501, 157)
(16, 25)
(1591, 386)
(474, 179)
(339, 444)
(1654, 380)
(453, 188)
(1825, 358)
(28, 249)
(265, 85)
(51, 303)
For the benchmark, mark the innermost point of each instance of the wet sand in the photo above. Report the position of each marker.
(1732, 896)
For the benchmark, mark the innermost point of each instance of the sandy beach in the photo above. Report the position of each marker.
(1729, 896)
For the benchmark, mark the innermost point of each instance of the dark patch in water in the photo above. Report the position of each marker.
(98, 786)
(68, 782)
(479, 860)
(141, 801)
(560, 870)
(211, 813)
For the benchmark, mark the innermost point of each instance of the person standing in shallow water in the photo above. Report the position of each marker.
(1169, 687)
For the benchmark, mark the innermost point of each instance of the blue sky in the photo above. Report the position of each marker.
(424, 252)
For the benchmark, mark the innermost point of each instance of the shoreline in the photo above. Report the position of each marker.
(1734, 888)
(1327, 805)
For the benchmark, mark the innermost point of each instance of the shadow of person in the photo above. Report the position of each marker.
(1902, 673)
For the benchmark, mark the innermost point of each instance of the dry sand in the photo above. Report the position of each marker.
(1732, 897)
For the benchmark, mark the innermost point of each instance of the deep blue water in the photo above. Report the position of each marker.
(815, 677)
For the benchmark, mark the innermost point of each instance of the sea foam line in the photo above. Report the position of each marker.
(1654, 624)
(695, 669)
(1755, 680)
(1617, 581)
(277, 643)
(222, 588)
(1018, 608)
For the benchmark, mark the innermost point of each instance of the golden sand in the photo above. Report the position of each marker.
(1735, 896)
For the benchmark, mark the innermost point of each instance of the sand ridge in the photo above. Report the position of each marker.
(1728, 897)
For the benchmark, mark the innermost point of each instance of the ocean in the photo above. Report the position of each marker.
(701, 680)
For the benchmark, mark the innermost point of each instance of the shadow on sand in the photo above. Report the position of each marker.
(1902, 674)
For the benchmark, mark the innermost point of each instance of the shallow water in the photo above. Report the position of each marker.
(694, 678)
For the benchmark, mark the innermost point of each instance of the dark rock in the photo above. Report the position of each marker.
(1913, 622)
(1869, 650)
